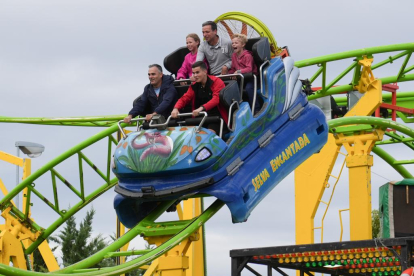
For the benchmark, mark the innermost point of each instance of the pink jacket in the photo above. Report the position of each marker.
(244, 62)
(186, 71)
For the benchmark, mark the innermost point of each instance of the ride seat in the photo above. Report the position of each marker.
(260, 49)
(181, 90)
(173, 61)
(230, 99)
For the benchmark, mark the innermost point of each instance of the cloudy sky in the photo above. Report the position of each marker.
(90, 58)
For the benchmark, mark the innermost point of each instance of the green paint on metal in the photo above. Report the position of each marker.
(128, 266)
(350, 130)
(348, 87)
(127, 253)
(404, 162)
(355, 53)
(405, 118)
(88, 121)
(384, 124)
(407, 141)
(390, 160)
(389, 60)
(257, 24)
(401, 72)
(316, 75)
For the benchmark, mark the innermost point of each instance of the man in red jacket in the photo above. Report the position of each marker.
(203, 95)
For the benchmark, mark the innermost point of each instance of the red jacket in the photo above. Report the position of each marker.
(216, 86)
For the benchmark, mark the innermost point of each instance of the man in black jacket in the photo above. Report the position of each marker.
(159, 96)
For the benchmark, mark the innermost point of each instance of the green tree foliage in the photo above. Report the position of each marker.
(78, 244)
(375, 224)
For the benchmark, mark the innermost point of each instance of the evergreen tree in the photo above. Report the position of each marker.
(375, 224)
(77, 244)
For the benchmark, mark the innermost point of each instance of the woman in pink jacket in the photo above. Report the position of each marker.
(185, 72)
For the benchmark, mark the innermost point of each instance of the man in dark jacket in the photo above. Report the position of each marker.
(159, 96)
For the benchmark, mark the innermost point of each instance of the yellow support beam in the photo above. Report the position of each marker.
(186, 259)
(312, 175)
(19, 235)
(359, 162)
(195, 253)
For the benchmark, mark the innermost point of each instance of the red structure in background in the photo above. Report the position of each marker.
(393, 106)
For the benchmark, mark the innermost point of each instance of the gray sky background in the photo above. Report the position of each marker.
(90, 58)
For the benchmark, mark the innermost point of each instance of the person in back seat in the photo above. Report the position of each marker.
(242, 62)
(204, 96)
(217, 50)
(159, 95)
(185, 72)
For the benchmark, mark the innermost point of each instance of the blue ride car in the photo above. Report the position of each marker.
(176, 160)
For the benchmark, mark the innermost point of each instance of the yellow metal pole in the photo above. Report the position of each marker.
(312, 175)
(310, 180)
(17, 229)
(359, 162)
(195, 253)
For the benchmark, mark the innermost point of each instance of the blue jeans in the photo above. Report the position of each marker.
(250, 93)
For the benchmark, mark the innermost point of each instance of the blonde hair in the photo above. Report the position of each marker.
(242, 37)
(195, 37)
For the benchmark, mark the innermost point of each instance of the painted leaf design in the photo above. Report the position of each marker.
(183, 149)
(190, 149)
(125, 145)
(198, 139)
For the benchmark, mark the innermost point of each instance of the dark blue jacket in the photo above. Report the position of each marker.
(149, 102)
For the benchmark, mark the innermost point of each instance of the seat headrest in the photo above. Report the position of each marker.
(261, 51)
(229, 94)
(251, 42)
(173, 61)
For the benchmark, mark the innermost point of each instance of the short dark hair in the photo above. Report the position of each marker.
(211, 23)
(156, 65)
(200, 64)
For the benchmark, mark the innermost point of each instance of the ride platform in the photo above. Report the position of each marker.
(376, 257)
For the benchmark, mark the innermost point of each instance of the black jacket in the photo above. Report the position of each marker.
(149, 102)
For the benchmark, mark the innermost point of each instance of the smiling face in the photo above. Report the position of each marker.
(200, 75)
(209, 35)
(237, 45)
(155, 77)
(192, 45)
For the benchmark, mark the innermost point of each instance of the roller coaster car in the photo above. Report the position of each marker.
(175, 159)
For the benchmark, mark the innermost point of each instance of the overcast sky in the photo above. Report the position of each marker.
(89, 58)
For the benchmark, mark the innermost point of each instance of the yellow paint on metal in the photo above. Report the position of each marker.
(11, 249)
(312, 176)
(20, 234)
(192, 209)
(367, 77)
(254, 22)
(48, 256)
(310, 183)
(4, 190)
(359, 162)
(186, 259)
(13, 232)
(340, 221)
(9, 158)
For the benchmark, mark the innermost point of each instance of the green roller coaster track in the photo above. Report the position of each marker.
(182, 229)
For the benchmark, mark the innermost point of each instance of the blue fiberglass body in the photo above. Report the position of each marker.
(178, 162)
